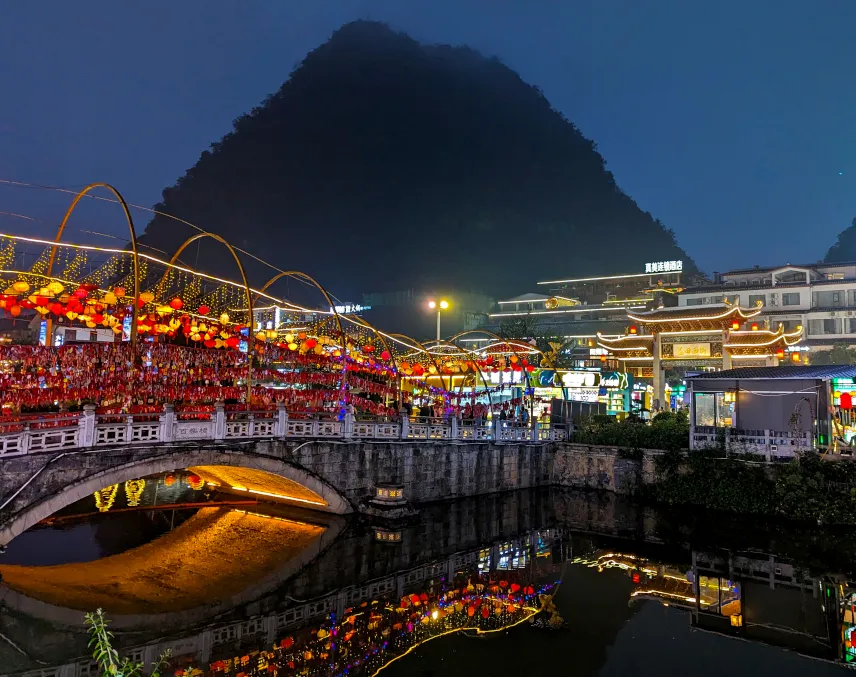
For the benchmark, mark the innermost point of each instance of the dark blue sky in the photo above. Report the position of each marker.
(734, 122)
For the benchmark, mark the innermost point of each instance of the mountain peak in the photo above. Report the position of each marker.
(384, 164)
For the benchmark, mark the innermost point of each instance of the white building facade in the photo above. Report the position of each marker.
(819, 297)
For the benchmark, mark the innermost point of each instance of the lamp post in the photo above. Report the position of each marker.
(441, 306)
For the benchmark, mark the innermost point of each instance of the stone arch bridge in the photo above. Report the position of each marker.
(330, 475)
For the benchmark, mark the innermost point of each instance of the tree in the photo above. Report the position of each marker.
(840, 353)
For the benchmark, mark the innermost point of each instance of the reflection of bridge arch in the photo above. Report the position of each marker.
(216, 560)
(329, 498)
(129, 218)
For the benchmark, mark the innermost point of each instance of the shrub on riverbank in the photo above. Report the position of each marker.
(667, 431)
(805, 490)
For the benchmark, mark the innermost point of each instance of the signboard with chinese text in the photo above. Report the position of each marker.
(685, 350)
(664, 267)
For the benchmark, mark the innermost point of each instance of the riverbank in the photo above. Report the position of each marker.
(808, 490)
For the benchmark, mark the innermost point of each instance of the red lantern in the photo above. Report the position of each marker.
(368, 349)
(203, 310)
(385, 355)
(97, 318)
(310, 343)
(176, 304)
(632, 328)
(15, 311)
(754, 327)
(81, 293)
(287, 643)
(780, 353)
(485, 612)
(846, 401)
(735, 325)
(169, 480)
(471, 611)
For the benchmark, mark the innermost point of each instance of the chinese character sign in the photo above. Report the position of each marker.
(664, 267)
(683, 350)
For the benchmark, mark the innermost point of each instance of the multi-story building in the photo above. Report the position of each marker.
(820, 298)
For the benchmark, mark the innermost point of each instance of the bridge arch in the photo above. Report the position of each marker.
(60, 494)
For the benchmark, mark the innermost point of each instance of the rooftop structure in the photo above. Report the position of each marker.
(819, 297)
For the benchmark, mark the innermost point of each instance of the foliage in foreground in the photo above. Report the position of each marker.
(668, 431)
(806, 490)
(109, 662)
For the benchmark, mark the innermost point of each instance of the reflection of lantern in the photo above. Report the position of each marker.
(195, 482)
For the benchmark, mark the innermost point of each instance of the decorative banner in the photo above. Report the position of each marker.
(684, 350)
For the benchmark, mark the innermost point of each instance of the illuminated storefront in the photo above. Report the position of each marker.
(612, 389)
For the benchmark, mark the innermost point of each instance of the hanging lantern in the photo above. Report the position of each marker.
(176, 304)
(632, 328)
(224, 318)
(203, 310)
(21, 286)
(735, 325)
(754, 327)
(260, 336)
(15, 311)
(55, 288)
(310, 343)
(384, 355)
(292, 346)
(81, 293)
(289, 338)
(145, 297)
(119, 291)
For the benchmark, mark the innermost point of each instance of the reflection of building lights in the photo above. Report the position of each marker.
(435, 614)
(272, 495)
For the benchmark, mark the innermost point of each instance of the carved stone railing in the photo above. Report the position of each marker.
(87, 430)
(771, 444)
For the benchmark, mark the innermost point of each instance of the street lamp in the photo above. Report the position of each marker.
(443, 305)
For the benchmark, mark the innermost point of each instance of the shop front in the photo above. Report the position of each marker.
(611, 389)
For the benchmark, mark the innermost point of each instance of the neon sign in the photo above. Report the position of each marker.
(664, 267)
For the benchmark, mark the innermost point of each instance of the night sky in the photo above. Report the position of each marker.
(733, 122)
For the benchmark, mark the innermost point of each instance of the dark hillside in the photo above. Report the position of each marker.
(385, 164)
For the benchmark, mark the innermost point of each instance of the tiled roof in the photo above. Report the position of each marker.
(712, 311)
(795, 372)
(628, 343)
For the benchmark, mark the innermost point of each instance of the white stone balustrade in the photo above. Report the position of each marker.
(88, 429)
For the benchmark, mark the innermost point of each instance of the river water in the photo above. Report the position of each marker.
(550, 582)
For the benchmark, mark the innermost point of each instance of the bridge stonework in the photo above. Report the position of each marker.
(34, 486)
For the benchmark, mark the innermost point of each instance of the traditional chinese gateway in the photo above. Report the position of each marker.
(698, 339)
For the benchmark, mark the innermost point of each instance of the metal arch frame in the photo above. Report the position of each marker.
(250, 336)
(443, 342)
(130, 219)
(301, 275)
(368, 325)
(421, 346)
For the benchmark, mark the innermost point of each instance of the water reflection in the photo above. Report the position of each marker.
(550, 582)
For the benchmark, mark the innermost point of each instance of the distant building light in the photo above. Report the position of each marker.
(664, 267)
(350, 308)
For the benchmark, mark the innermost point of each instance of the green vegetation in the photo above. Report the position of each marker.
(109, 662)
(806, 490)
(840, 353)
(668, 431)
